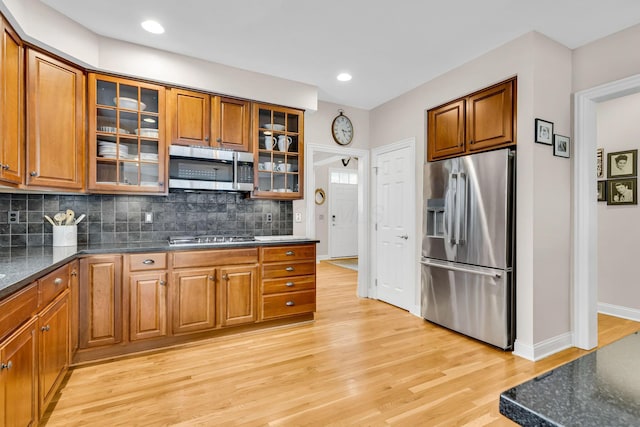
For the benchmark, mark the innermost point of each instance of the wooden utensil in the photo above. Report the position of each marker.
(59, 218)
(70, 215)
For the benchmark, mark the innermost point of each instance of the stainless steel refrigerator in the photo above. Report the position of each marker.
(468, 245)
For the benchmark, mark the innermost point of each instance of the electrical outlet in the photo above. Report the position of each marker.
(298, 216)
(268, 217)
(148, 217)
(14, 217)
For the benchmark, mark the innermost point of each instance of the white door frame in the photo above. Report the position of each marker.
(310, 151)
(585, 213)
(413, 275)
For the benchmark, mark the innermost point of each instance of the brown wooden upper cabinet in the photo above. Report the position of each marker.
(11, 107)
(126, 136)
(55, 123)
(209, 120)
(481, 121)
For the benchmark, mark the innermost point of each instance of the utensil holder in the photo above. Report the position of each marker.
(65, 235)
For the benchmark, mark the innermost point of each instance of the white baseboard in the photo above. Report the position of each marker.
(618, 311)
(543, 349)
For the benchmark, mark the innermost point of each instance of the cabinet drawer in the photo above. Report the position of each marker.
(289, 284)
(288, 304)
(215, 257)
(141, 262)
(286, 269)
(17, 308)
(286, 253)
(52, 285)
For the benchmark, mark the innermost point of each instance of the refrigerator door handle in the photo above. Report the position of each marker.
(461, 209)
(450, 207)
(446, 266)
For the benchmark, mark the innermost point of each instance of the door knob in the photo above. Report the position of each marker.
(404, 236)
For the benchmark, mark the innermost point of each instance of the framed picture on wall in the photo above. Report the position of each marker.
(622, 163)
(622, 192)
(561, 146)
(602, 191)
(544, 132)
(600, 162)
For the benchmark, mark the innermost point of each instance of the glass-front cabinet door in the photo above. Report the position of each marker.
(279, 148)
(126, 135)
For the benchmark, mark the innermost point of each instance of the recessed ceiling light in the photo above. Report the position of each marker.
(344, 77)
(153, 27)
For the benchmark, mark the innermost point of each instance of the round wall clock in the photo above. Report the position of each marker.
(342, 129)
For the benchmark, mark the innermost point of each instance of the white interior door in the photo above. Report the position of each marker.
(343, 214)
(395, 236)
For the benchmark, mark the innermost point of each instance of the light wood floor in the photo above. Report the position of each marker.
(361, 363)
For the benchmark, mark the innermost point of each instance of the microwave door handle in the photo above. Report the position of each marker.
(461, 208)
(450, 207)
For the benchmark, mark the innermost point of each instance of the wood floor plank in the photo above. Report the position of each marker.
(360, 363)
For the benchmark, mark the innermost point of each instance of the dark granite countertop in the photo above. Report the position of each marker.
(21, 266)
(599, 389)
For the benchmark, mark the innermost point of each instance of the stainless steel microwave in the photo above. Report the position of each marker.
(203, 168)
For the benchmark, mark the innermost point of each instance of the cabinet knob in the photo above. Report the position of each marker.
(225, 277)
(289, 284)
(7, 365)
(148, 262)
(74, 273)
(33, 173)
(290, 303)
(5, 167)
(163, 283)
(206, 138)
(45, 328)
(212, 278)
(289, 253)
(218, 139)
(57, 281)
(289, 268)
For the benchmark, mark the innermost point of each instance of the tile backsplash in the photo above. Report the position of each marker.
(120, 219)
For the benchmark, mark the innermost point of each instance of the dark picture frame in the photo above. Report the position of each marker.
(544, 132)
(602, 191)
(622, 191)
(621, 164)
(561, 146)
(600, 162)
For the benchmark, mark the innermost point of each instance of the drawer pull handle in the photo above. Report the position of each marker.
(148, 262)
(289, 268)
(57, 281)
(289, 284)
(7, 365)
(45, 328)
(290, 303)
(290, 253)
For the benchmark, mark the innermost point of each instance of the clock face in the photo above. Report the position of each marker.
(342, 129)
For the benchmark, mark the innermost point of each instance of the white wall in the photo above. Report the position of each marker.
(618, 226)
(608, 59)
(543, 68)
(49, 29)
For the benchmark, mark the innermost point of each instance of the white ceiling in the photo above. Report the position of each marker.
(390, 47)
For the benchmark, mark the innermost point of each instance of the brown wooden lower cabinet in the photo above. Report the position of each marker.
(147, 305)
(53, 344)
(238, 287)
(18, 382)
(100, 301)
(194, 300)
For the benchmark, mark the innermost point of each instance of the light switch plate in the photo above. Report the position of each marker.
(148, 217)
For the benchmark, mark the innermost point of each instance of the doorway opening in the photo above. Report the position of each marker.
(323, 155)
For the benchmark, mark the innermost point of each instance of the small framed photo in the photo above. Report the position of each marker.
(544, 132)
(561, 146)
(602, 191)
(622, 191)
(600, 162)
(622, 163)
